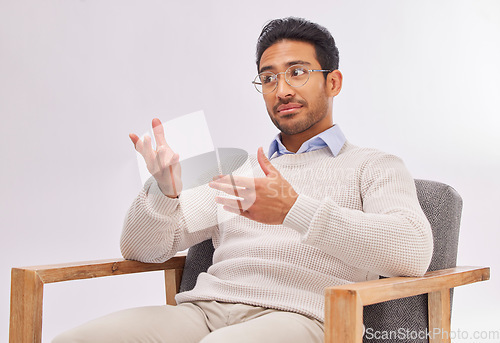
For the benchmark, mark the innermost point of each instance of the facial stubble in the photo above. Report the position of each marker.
(312, 117)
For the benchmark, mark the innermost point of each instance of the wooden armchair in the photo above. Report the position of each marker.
(384, 304)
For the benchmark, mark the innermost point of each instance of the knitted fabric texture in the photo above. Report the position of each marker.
(357, 217)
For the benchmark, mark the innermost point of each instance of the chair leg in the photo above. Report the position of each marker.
(439, 316)
(172, 284)
(26, 307)
(343, 317)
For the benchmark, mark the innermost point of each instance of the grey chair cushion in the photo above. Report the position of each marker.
(198, 259)
(404, 319)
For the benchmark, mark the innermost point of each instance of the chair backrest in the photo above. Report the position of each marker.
(404, 317)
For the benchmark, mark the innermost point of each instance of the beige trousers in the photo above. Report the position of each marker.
(204, 322)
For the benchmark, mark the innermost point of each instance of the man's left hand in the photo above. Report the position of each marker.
(266, 200)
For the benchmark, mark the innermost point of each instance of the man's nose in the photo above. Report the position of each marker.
(283, 89)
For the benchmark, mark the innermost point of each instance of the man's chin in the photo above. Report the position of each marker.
(288, 124)
(290, 130)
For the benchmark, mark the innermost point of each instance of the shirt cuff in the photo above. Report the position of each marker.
(301, 214)
(158, 202)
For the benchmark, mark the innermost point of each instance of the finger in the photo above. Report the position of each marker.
(245, 214)
(233, 204)
(147, 151)
(238, 181)
(227, 188)
(164, 159)
(159, 133)
(235, 188)
(265, 164)
(134, 138)
(139, 146)
(217, 177)
(164, 156)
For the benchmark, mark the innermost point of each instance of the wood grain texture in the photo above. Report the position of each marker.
(439, 316)
(172, 284)
(26, 307)
(376, 291)
(344, 302)
(343, 316)
(26, 304)
(100, 268)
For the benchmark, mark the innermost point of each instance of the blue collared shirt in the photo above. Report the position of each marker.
(333, 138)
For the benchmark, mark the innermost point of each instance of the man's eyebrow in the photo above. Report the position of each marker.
(288, 64)
(291, 63)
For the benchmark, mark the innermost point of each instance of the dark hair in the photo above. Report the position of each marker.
(300, 29)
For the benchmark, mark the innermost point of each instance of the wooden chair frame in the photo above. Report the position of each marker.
(344, 302)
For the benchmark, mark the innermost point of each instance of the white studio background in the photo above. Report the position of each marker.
(421, 80)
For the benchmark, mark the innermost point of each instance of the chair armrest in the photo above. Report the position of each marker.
(26, 295)
(376, 291)
(347, 301)
(92, 269)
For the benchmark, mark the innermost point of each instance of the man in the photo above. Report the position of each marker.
(320, 212)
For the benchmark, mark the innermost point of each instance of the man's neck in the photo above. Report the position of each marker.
(293, 142)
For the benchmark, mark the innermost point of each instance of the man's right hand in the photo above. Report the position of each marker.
(162, 163)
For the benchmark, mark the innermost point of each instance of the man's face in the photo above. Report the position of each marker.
(296, 110)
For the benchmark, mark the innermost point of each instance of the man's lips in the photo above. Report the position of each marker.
(288, 108)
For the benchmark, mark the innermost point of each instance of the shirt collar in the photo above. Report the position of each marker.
(333, 138)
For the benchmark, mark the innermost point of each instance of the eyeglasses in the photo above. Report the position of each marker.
(296, 75)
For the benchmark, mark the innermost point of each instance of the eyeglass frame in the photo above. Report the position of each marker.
(286, 80)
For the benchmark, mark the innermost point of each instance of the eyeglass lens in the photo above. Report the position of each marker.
(295, 76)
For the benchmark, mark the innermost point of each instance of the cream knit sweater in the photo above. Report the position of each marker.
(357, 217)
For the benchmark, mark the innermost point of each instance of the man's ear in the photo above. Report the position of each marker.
(334, 82)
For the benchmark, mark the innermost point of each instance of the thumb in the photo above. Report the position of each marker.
(265, 164)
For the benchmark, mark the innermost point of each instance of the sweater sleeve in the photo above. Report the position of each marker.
(157, 227)
(390, 236)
